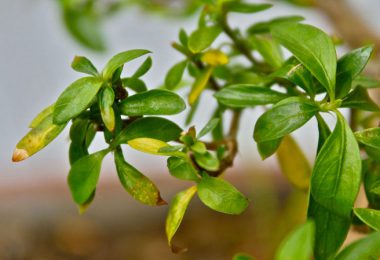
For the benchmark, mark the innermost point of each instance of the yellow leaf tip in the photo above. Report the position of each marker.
(19, 155)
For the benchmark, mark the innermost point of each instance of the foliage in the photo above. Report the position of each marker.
(307, 85)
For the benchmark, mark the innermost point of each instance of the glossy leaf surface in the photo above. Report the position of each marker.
(240, 96)
(285, 117)
(120, 59)
(221, 196)
(370, 217)
(84, 174)
(337, 172)
(182, 168)
(152, 102)
(298, 244)
(366, 249)
(75, 99)
(313, 48)
(150, 127)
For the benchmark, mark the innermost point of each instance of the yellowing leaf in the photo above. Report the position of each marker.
(199, 85)
(37, 138)
(152, 146)
(177, 210)
(293, 163)
(135, 183)
(214, 58)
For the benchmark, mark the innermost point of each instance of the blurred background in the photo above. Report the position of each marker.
(38, 220)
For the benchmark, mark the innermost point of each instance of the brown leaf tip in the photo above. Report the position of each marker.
(161, 202)
(19, 155)
(178, 250)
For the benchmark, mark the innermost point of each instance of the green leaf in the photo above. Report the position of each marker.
(177, 210)
(208, 127)
(364, 249)
(183, 37)
(207, 161)
(82, 208)
(293, 163)
(199, 85)
(365, 82)
(326, 221)
(221, 196)
(135, 183)
(152, 102)
(269, 49)
(264, 27)
(370, 217)
(247, 8)
(198, 147)
(331, 230)
(135, 84)
(82, 132)
(119, 60)
(245, 95)
(75, 99)
(323, 131)
(343, 84)
(241, 256)
(175, 74)
(203, 38)
(106, 100)
(376, 189)
(84, 26)
(359, 99)
(371, 180)
(355, 61)
(151, 127)
(336, 175)
(84, 174)
(285, 117)
(298, 244)
(37, 138)
(84, 65)
(295, 72)
(313, 48)
(170, 148)
(182, 168)
(143, 69)
(152, 146)
(41, 116)
(268, 148)
(370, 137)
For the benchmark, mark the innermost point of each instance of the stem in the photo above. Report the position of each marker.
(232, 145)
(240, 44)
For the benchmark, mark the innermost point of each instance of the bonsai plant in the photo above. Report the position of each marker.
(306, 86)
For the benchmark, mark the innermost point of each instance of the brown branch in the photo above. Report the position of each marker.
(232, 145)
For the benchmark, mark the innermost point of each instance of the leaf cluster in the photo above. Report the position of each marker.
(306, 86)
